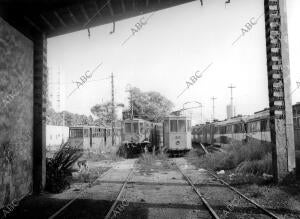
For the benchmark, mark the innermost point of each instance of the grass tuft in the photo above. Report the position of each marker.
(256, 167)
(252, 157)
(150, 161)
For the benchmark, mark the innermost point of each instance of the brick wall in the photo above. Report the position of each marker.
(16, 114)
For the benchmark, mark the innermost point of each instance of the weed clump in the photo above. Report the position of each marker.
(250, 158)
(151, 161)
(59, 168)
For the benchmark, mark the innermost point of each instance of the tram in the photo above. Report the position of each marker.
(177, 134)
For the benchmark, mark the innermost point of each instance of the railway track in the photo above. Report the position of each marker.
(209, 207)
(57, 213)
(113, 207)
(204, 201)
(267, 212)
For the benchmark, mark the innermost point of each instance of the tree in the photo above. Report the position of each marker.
(67, 118)
(103, 112)
(150, 105)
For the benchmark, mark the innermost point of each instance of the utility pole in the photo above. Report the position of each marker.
(231, 99)
(131, 104)
(213, 99)
(129, 89)
(201, 113)
(113, 110)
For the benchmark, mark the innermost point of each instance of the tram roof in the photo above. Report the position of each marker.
(135, 120)
(86, 126)
(176, 117)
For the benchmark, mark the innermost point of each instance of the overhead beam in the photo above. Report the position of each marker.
(29, 21)
(106, 18)
(83, 11)
(75, 21)
(97, 8)
(47, 22)
(111, 11)
(123, 6)
(60, 19)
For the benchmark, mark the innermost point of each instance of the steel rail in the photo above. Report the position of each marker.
(119, 195)
(76, 197)
(207, 205)
(243, 196)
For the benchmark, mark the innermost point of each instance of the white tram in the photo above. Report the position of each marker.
(177, 134)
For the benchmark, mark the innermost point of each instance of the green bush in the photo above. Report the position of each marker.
(256, 167)
(252, 157)
(59, 168)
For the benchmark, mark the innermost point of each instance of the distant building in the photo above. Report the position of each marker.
(55, 136)
(56, 90)
(119, 113)
(229, 111)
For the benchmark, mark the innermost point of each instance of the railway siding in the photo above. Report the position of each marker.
(227, 203)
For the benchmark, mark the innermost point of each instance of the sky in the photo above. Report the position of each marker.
(168, 50)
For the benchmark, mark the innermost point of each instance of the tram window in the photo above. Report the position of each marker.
(258, 126)
(135, 127)
(263, 125)
(295, 122)
(85, 133)
(189, 125)
(181, 126)
(249, 127)
(142, 128)
(229, 129)
(78, 133)
(173, 125)
(223, 130)
(237, 128)
(268, 125)
(166, 126)
(253, 128)
(128, 127)
(298, 122)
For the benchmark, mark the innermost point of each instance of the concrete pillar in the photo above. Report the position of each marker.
(39, 129)
(281, 122)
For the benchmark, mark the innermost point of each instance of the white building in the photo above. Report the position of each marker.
(55, 90)
(230, 112)
(55, 136)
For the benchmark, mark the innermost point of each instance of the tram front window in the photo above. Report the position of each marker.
(135, 127)
(181, 126)
(128, 127)
(173, 125)
(141, 128)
